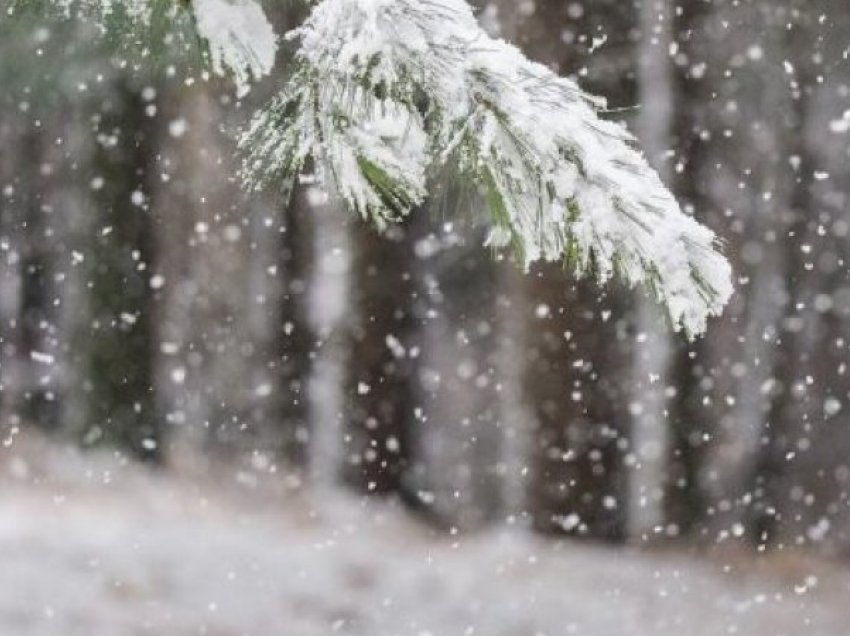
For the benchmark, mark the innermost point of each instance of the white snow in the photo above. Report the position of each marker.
(42, 358)
(241, 39)
(91, 547)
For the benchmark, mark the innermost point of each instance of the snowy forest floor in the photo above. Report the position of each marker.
(89, 546)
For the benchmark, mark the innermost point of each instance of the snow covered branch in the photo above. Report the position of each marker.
(238, 38)
(388, 91)
(385, 93)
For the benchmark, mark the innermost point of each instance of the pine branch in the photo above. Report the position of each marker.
(387, 92)
(143, 22)
(234, 36)
(241, 40)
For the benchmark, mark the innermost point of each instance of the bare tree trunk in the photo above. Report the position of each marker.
(380, 394)
(516, 417)
(329, 306)
(120, 342)
(457, 441)
(733, 405)
(37, 345)
(573, 349)
(776, 511)
(691, 419)
(650, 425)
(294, 335)
(11, 279)
(13, 194)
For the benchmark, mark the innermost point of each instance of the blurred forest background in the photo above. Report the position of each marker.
(149, 306)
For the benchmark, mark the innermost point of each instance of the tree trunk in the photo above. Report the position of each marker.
(120, 342)
(380, 392)
(650, 437)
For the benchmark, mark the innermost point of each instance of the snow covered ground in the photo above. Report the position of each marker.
(92, 548)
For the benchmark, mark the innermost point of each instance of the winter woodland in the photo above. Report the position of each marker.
(529, 308)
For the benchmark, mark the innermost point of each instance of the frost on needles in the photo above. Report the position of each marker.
(385, 92)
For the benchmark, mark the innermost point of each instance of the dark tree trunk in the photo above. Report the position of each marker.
(36, 338)
(774, 517)
(120, 340)
(690, 417)
(577, 338)
(295, 339)
(380, 389)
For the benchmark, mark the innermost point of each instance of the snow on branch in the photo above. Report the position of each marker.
(374, 94)
(386, 92)
(241, 39)
(238, 37)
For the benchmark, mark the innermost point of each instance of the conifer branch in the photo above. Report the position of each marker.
(387, 93)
